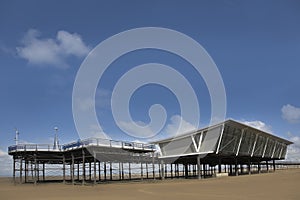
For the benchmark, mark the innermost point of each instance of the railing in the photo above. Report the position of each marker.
(34, 147)
(83, 143)
(109, 143)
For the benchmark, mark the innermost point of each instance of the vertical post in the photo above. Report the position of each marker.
(21, 160)
(259, 167)
(26, 170)
(110, 170)
(141, 170)
(219, 166)
(199, 167)
(153, 166)
(35, 169)
(162, 171)
(236, 167)
(14, 170)
(129, 169)
(274, 165)
(95, 170)
(72, 169)
(159, 170)
(83, 167)
(166, 170)
(122, 167)
(147, 173)
(99, 170)
(249, 167)
(90, 170)
(267, 165)
(43, 171)
(171, 170)
(120, 173)
(105, 171)
(78, 171)
(64, 169)
(186, 171)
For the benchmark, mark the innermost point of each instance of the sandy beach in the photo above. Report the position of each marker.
(283, 184)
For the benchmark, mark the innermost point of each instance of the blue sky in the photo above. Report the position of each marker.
(254, 44)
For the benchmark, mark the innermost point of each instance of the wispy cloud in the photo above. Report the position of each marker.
(51, 52)
(6, 164)
(293, 153)
(258, 125)
(178, 126)
(290, 113)
(130, 127)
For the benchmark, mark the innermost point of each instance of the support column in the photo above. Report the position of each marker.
(99, 170)
(21, 161)
(142, 175)
(267, 165)
(26, 170)
(162, 171)
(166, 170)
(259, 167)
(72, 169)
(153, 166)
(78, 171)
(43, 171)
(198, 167)
(219, 166)
(249, 167)
(241, 167)
(83, 167)
(236, 167)
(14, 170)
(35, 170)
(105, 171)
(110, 170)
(186, 171)
(129, 169)
(95, 170)
(147, 172)
(274, 165)
(122, 171)
(64, 169)
(90, 170)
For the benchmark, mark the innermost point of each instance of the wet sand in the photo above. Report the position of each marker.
(283, 184)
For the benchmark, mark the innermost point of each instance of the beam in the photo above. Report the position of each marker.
(240, 142)
(220, 139)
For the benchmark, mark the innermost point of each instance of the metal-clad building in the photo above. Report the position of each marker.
(227, 143)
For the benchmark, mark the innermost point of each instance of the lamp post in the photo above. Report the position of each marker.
(55, 145)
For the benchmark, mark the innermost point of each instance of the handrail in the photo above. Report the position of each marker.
(83, 143)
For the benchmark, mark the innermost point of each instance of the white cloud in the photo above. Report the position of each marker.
(103, 98)
(96, 132)
(131, 128)
(290, 113)
(6, 164)
(293, 153)
(178, 126)
(259, 125)
(48, 51)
